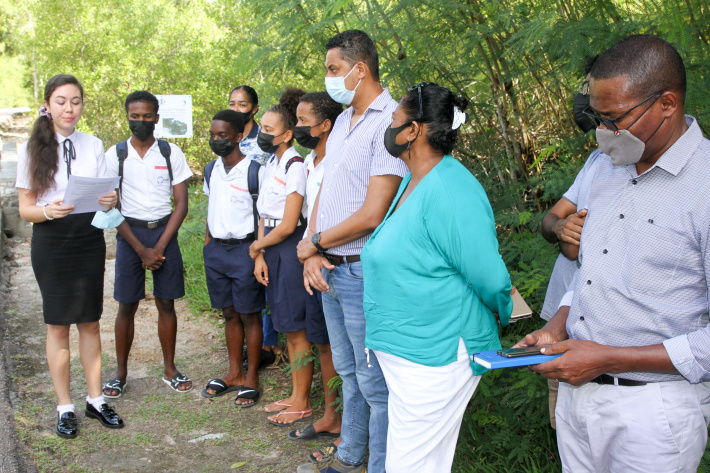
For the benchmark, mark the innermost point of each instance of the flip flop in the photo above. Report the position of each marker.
(326, 453)
(307, 414)
(176, 381)
(248, 393)
(114, 384)
(219, 387)
(309, 433)
(277, 403)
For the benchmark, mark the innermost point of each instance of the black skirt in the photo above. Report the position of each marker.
(68, 259)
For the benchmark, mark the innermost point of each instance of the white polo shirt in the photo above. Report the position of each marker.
(278, 185)
(315, 177)
(89, 162)
(146, 188)
(230, 212)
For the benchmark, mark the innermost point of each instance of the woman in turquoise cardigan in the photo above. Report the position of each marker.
(433, 281)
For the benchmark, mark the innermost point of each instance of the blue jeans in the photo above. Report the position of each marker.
(364, 388)
(271, 336)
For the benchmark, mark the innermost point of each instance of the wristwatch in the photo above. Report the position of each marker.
(315, 239)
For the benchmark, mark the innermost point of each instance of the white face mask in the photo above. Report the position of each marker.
(622, 147)
(335, 86)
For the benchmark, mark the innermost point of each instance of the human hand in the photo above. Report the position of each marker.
(306, 249)
(261, 271)
(312, 275)
(254, 250)
(57, 209)
(582, 360)
(109, 200)
(569, 230)
(151, 258)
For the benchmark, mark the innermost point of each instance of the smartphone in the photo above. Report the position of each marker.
(516, 352)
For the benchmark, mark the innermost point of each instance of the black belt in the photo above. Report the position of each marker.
(134, 222)
(235, 241)
(336, 260)
(606, 379)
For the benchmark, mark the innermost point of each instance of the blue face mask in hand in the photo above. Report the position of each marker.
(106, 220)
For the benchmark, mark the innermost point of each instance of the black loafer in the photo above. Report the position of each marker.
(107, 416)
(66, 425)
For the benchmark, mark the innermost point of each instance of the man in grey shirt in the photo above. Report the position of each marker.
(633, 331)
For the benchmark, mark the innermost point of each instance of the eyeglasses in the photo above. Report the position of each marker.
(419, 87)
(610, 123)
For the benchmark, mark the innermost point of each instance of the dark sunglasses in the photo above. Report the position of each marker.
(419, 87)
(610, 123)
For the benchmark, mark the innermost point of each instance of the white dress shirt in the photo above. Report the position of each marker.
(146, 188)
(230, 209)
(278, 185)
(89, 162)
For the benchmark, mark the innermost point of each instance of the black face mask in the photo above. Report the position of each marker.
(265, 141)
(141, 129)
(246, 116)
(304, 138)
(581, 103)
(390, 135)
(222, 148)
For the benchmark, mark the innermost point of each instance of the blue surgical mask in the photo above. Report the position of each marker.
(106, 220)
(335, 86)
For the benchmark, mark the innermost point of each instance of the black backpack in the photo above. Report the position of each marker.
(252, 183)
(122, 152)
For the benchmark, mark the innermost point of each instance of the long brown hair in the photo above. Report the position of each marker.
(42, 145)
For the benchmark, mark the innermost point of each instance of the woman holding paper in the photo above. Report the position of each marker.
(433, 281)
(68, 253)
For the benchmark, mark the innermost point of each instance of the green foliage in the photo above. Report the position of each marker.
(518, 62)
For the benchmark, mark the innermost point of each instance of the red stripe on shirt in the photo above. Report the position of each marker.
(283, 183)
(161, 167)
(238, 188)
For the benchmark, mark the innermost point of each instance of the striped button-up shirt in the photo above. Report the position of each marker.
(355, 155)
(645, 259)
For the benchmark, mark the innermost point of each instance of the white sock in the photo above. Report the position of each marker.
(97, 402)
(65, 408)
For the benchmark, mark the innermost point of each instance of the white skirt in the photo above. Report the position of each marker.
(426, 407)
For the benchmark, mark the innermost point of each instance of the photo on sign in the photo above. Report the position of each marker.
(175, 116)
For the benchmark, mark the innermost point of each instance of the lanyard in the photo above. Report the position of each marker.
(69, 154)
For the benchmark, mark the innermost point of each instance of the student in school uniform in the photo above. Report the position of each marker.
(68, 253)
(244, 100)
(229, 270)
(316, 114)
(282, 209)
(152, 173)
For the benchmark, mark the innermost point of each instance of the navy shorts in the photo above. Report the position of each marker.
(316, 330)
(287, 295)
(230, 278)
(168, 280)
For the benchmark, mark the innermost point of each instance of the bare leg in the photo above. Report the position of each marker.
(58, 360)
(123, 332)
(254, 338)
(90, 351)
(234, 333)
(331, 420)
(298, 347)
(167, 332)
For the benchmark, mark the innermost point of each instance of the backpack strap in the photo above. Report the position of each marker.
(208, 172)
(122, 153)
(165, 151)
(296, 159)
(253, 185)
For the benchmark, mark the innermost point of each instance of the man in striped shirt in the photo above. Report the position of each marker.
(361, 179)
(635, 369)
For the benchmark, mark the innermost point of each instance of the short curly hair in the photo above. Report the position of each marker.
(142, 96)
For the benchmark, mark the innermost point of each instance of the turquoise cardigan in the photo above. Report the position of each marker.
(433, 273)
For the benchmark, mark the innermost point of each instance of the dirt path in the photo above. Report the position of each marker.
(165, 431)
